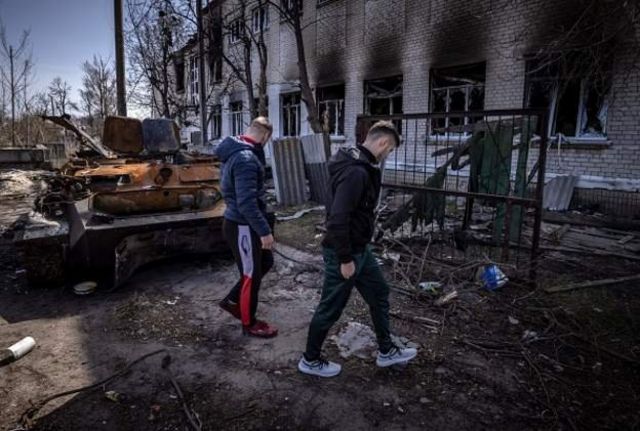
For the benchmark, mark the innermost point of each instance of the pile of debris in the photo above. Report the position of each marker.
(18, 190)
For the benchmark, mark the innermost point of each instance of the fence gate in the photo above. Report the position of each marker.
(467, 182)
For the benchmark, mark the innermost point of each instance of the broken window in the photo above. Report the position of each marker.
(290, 124)
(235, 30)
(331, 109)
(214, 44)
(577, 105)
(216, 122)
(179, 69)
(384, 97)
(215, 69)
(193, 80)
(457, 89)
(236, 118)
(260, 18)
(288, 6)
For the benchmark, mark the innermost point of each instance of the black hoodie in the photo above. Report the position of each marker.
(355, 186)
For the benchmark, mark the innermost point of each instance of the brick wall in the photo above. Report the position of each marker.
(356, 40)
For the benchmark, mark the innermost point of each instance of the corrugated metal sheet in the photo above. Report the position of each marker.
(558, 193)
(315, 158)
(288, 171)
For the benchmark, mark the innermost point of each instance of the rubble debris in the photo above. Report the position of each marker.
(445, 299)
(355, 339)
(189, 412)
(431, 287)
(403, 342)
(558, 192)
(423, 208)
(626, 239)
(17, 350)
(85, 288)
(592, 283)
(577, 218)
(17, 189)
(528, 336)
(28, 418)
(114, 396)
(491, 277)
(300, 213)
(424, 321)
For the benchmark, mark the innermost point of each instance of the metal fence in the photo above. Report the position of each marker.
(288, 171)
(471, 182)
(316, 155)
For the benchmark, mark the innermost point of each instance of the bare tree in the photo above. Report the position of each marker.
(248, 45)
(242, 53)
(152, 34)
(40, 104)
(98, 95)
(574, 61)
(585, 43)
(291, 11)
(60, 92)
(15, 74)
(248, 38)
(3, 102)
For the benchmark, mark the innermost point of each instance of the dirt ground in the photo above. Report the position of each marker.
(512, 359)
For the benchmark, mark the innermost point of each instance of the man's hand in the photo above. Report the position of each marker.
(347, 270)
(267, 242)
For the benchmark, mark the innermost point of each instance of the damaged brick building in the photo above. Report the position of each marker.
(378, 57)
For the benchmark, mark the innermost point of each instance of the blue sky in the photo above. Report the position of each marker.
(64, 33)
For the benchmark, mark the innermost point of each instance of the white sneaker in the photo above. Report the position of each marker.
(396, 355)
(320, 367)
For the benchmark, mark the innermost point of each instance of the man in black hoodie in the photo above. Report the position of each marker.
(349, 262)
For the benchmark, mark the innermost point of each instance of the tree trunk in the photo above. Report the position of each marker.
(253, 108)
(262, 83)
(202, 93)
(13, 99)
(307, 94)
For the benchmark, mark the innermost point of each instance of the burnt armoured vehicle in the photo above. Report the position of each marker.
(130, 200)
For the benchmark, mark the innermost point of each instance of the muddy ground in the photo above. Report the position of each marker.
(513, 359)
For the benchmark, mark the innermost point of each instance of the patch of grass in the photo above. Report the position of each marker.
(301, 233)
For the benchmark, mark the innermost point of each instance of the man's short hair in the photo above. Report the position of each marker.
(384, 128)
(262, 124)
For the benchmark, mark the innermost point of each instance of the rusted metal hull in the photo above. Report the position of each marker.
(141, 200)
(115, 247)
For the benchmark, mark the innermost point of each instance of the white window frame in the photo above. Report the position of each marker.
(236, 118)
(553, 115)
(235, 33)
(554, 97)
(215, 125)
(289, 108)
(338, 108)
(194, 81)
(287, 5)
(260, 18)
(334, 105)
(468, 88)
(368, 99)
